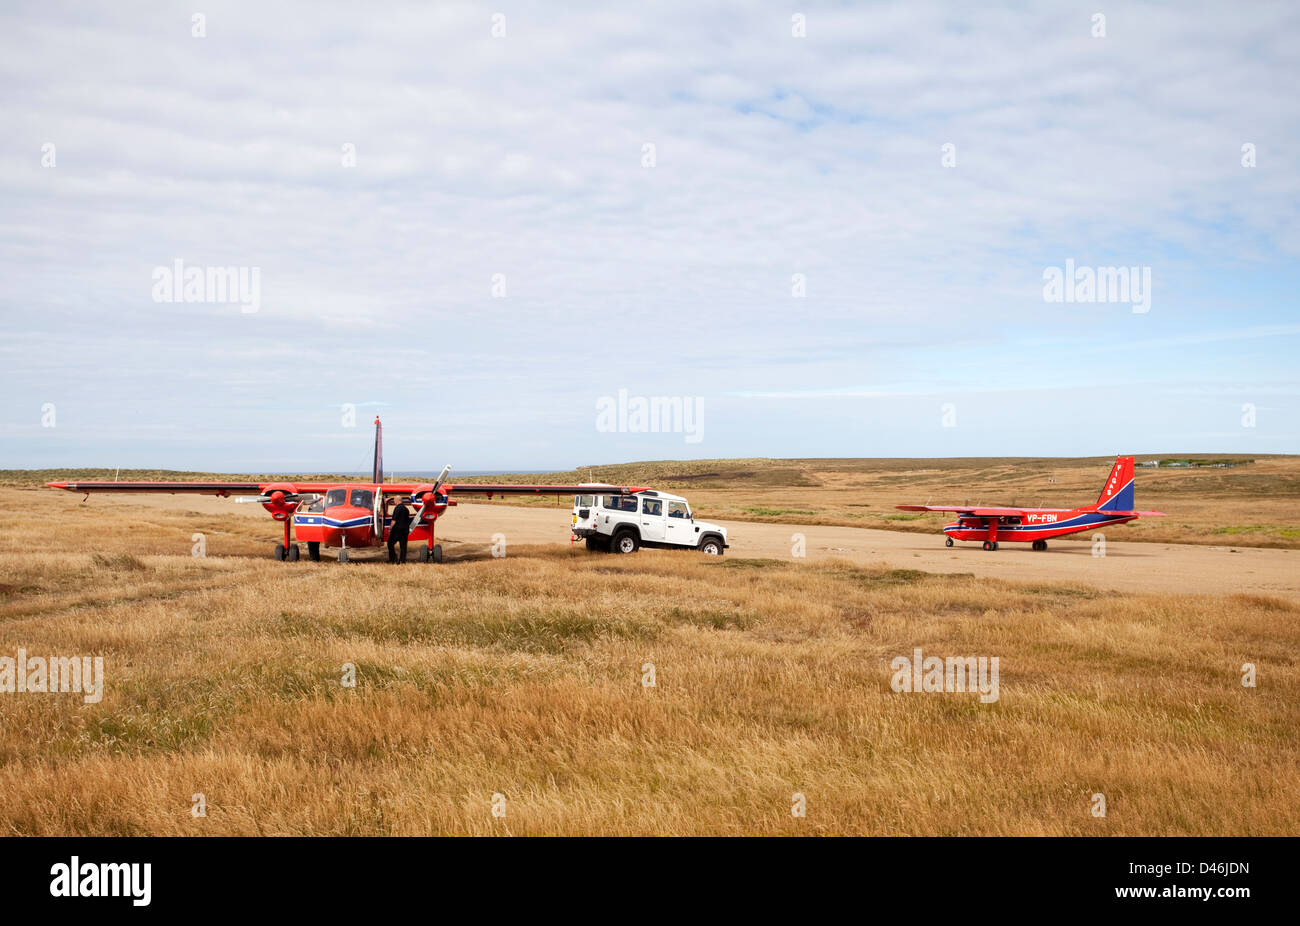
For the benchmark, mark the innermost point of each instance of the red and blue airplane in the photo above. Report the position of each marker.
(1038, 525)
(350, 514)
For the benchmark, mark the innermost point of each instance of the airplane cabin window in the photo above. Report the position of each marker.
(363, 498)
(335, 497)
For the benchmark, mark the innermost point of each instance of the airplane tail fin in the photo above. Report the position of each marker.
(1117, 495)
(378, 474)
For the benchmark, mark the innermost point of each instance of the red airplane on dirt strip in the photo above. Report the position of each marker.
(1038, 525)
(349, 514)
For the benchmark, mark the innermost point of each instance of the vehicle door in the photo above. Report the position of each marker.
(652, 519)
(678, 526)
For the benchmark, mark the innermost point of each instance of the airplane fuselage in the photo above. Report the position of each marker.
(1033, 525)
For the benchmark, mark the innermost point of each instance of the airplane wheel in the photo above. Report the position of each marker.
(437, 553)
(313, 551)
(279, 552)
(995, 544)
(294, 553)
(947, 541)
(987, 545)
(343, 555)
(423, 555)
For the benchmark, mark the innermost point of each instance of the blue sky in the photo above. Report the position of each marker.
(520, 157)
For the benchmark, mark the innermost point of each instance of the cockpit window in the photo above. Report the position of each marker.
(336, 497)
(362, 498)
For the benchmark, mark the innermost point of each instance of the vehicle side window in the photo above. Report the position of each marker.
(678, 510)
(335, 497)
(316, 506)
(652, 506)
(583, 501)
(612, 502)
(629, 504)
(363, 498)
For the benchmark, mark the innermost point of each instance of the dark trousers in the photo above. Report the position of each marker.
(392, 554)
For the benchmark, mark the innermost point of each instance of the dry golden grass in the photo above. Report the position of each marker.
(522, 676)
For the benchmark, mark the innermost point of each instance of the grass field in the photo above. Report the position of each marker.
(523, 677)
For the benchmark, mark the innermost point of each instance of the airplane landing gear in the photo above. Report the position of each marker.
(435, 553)
(1040, 544)
(313, 551)
(286, 551)
(947, 541)
(990, 546)
(343, 554)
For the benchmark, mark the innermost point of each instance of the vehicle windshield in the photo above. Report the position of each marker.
(362, 498)
(336, 497)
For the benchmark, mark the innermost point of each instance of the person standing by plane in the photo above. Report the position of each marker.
(398, 532)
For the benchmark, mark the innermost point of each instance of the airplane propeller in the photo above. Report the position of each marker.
(442, 477)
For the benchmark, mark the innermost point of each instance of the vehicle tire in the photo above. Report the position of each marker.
(294, 553)
(987, 545)
(625, 542)
(947, 541)
(313, 551)
(437, 553)
(423, 555)
(995, 545)
(711, 546)
(596, 544)
(343, 554)
(279, 552)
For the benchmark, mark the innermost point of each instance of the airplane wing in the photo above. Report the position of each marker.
(966, 509)
(388, 488)
(192, 488)
(470, 488)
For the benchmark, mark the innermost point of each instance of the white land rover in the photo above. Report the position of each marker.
(623, 523)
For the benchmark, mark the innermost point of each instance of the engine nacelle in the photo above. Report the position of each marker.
(283, 500)
(428, 502)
